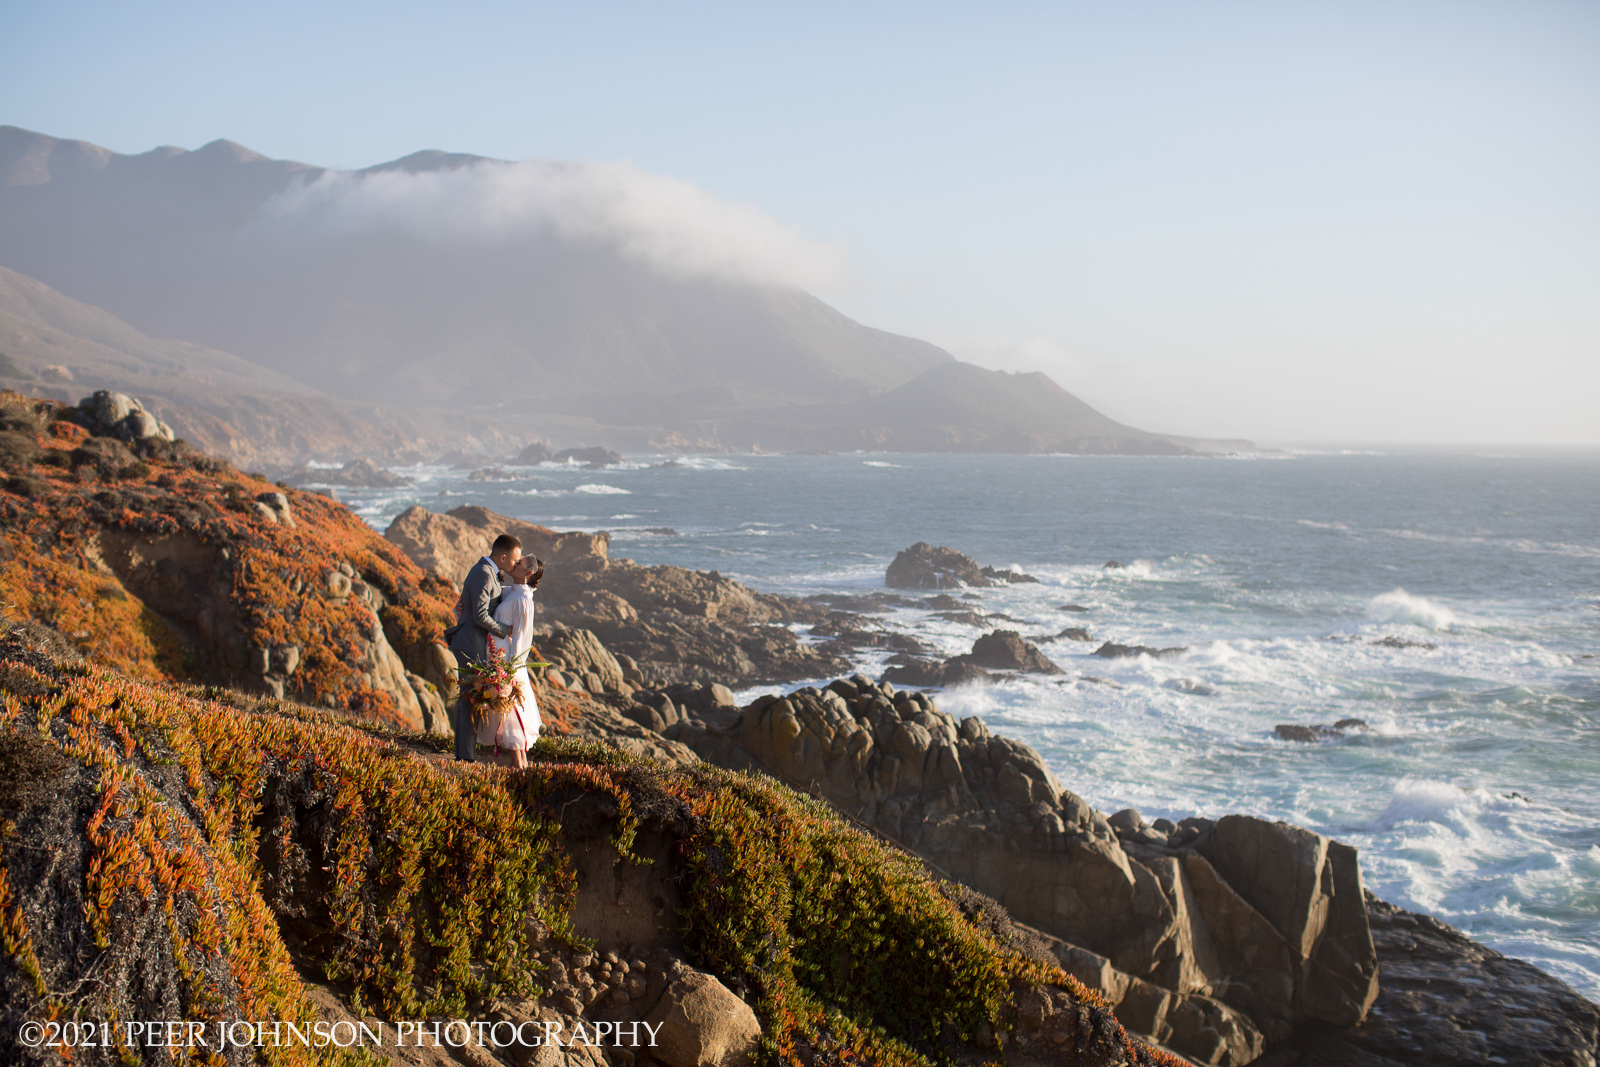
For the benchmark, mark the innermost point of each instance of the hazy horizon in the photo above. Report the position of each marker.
(1353, 225)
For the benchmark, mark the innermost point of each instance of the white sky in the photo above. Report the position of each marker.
(1338, 221)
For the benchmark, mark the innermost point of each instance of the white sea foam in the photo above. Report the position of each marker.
(1441, 804)
(600, 489)
(881, 463)
(1397, 605)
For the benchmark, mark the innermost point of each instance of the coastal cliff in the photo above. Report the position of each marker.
(171, 857)
(878, 840)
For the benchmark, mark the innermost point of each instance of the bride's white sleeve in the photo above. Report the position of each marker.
(522, 625)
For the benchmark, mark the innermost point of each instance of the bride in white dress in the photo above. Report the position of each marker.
(509, 736)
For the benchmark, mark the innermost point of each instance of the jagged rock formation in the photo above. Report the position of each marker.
(1224, 939)
(674, 624)
(1444, 1000)
(167, 564)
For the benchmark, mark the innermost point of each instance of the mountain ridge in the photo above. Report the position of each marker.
(533, 332)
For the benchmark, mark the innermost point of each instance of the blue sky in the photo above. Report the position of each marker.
(1297, 222)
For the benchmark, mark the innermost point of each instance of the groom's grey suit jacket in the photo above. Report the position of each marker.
(480, 595)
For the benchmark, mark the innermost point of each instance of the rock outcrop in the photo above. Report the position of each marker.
(1222, 938)
(167, 564)
(593, 456)
(447, 545)
(1005, 650)
(922, 566)
(1445, 1000)
(119, 415)
(537, 452)
(675, 624)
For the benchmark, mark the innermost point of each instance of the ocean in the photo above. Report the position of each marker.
(1472, 790)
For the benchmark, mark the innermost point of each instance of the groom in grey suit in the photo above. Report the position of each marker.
(475, 621)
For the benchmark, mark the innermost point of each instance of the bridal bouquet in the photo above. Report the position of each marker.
(491, 686)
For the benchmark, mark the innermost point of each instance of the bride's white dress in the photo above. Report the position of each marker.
(518, 729)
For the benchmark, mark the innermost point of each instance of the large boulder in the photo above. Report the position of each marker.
(1309, 889)
(923, 566)
(702, 1024)
(122, 416)
(448, 545)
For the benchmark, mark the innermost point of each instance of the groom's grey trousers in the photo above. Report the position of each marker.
(466, 736)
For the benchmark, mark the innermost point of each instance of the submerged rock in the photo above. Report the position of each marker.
(1392, 641)
(1112, 650)
(594, 456)
(1014, 577)
(1316, 731)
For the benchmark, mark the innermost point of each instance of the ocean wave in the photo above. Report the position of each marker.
(600, 489)
(880, 463)
(701, 463)
(1440, 804)
(1397, 605)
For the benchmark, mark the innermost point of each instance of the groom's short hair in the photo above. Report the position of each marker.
(504, 543)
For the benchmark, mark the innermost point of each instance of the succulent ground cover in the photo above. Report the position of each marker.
(186, 829)
(268, 584)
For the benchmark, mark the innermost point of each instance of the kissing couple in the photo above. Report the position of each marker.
(491, 639)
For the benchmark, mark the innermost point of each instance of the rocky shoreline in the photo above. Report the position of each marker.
(1230, 941)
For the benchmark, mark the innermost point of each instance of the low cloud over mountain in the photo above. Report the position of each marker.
(578, 302)
(670, 225)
